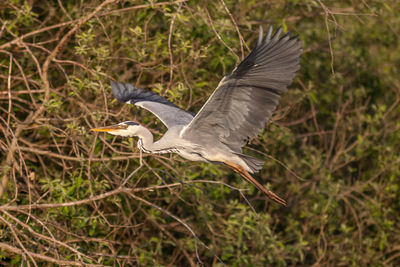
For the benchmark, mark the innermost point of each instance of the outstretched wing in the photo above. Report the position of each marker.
(244, 100)
(166, 111)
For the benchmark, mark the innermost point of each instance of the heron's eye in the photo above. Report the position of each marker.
(132, 123)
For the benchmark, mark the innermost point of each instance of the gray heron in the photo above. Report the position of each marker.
(237, 110)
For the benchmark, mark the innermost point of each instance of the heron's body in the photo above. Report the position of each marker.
(236, 111)
(194, 151)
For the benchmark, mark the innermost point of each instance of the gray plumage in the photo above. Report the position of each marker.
(236, 111)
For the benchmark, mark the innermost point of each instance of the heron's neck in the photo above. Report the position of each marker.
(146, 140)
(146, 143)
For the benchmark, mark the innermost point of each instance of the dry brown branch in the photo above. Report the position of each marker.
(242, 42)
(171, 59)
(37, 256)
(106, 195)
(328, 13)
(25, 251)
(219, 36)
(60, 156)
(9, 90)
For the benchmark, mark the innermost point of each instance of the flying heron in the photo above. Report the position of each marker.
(236, 111)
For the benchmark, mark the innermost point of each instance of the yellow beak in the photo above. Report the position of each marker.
(111, 128)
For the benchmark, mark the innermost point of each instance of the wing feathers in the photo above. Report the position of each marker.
(244, 100)
(166, 111)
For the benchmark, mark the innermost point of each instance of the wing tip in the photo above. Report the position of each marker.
(269, 33)
(277, 33)
(270, 36)
(120, 91)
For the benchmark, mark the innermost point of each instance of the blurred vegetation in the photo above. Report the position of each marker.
(331, 149)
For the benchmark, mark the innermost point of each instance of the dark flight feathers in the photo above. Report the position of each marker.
(127, 93)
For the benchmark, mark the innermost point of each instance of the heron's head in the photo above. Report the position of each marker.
(126, 128)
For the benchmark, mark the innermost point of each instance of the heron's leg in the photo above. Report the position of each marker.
(239, 169)
(140, 158)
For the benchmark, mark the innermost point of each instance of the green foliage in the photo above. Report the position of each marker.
(331, 148)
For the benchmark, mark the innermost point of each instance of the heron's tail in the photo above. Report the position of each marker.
(254, 164)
